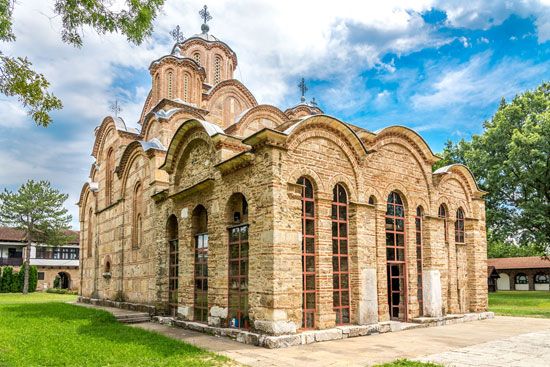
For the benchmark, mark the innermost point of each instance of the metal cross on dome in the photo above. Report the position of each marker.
(303, 89)
(205, 15)
(115, 107)
(177, 35)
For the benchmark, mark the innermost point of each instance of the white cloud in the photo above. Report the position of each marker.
(475, 84)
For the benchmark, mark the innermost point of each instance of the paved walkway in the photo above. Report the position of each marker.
(501, 341)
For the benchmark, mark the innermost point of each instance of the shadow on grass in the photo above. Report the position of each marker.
(98, 324)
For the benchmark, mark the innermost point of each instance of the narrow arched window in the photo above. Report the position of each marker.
(109, 175)
(200, 231)
(186, 88)
(137, 225)
(217, 69)
(396, 265)
(459, 226)
(169, 78)
(197, 57)
(157, 87)
(419, 259)
(442, 213)
(340, 258)
(309, 289)
(89, 233)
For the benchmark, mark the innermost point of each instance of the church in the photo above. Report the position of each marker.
(232, 214)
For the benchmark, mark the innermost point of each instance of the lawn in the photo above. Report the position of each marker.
(520, 303)
(41, 329)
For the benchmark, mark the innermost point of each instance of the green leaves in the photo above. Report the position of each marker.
(135, 21)
(37, 209)
(18, 79)
(511, 160)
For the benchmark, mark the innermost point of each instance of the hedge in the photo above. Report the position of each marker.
(12, 282)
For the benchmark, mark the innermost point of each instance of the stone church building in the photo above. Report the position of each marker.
(236, 214)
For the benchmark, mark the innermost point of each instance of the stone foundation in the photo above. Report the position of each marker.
(151, 310)
(314, 336)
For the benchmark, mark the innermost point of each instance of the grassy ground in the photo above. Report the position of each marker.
(42, 330)
(407, 363)
(520, 303)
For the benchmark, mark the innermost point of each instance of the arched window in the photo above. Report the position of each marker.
(237, 215)
(442, 213)
(372, 200)
(173, 264)
(137, 205)
(217, 69)
(169, 77)
(197, 57)
(90, 233)
(186, 88)
(395, 257)
(309, 292)
(200, 230)
(340, 258)
(157, 86)
(419, 259)
(109, 175)
(542, 278)
(107, 268)
(521, 278)
(459, 226)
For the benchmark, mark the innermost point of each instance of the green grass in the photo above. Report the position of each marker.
(520, 303)
(42, 330)
(408, 363)
(36, 297)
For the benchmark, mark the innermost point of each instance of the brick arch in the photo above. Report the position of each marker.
(423, 167)
(196, 139)
(108, 125)
(125, 168)
(404, 134)
(231, 85)
(181, 139)
(403, 193)
(83, 203)
(346, 182)
(453, 204)
(318, 184)
(265, 111)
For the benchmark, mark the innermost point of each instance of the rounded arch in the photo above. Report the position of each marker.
(503, 282)
(227, 86)
(108, 125)
(172, 230)
(401, 190)
(311, 175)
(132, 152)
(372, 200)
(236, 209)
(157, 115)
(107, 268)
(407, 134)
(255, 113)
(199, 219)
(465, 176)
(180, 139)
(64, 280)
(346, 183)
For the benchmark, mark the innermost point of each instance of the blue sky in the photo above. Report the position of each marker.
(440, 67)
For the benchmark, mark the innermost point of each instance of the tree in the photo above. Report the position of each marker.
(134, 20)
(7, 279)
(511, 160)
(37, 209)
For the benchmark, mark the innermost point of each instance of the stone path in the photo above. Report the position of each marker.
(519, 341)
(531, 349)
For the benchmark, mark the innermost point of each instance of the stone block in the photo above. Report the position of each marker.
(329, 334)
(275, 327)
(284, 341)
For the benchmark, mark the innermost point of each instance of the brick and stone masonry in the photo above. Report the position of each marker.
(207, 151)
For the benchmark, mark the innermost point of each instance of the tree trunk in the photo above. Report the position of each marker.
(26, 266)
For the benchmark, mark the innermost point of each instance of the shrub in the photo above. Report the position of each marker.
(17, 281)
(56, 282)
(33, 278)
(7, 279)
(0, 279)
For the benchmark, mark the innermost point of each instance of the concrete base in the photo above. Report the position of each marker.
(314, 336)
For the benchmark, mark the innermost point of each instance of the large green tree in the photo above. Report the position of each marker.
(511, 160)
(37, 209)
(17, 77)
